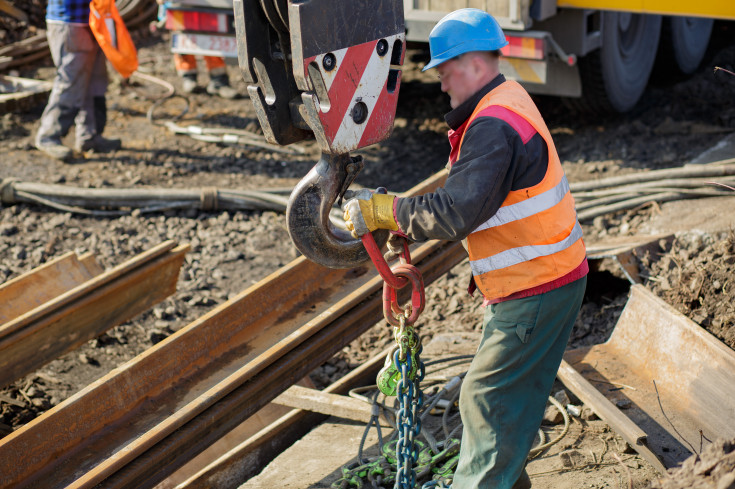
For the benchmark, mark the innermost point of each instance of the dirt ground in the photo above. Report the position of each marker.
(677, 120)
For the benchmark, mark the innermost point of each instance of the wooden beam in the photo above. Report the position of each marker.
(326, 403)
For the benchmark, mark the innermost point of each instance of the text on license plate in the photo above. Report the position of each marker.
(204, 44)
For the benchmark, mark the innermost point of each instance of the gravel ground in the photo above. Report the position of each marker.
(676, 121)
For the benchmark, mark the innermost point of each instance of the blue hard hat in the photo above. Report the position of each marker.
(464, 31)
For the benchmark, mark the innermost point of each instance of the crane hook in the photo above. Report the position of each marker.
(308, 214)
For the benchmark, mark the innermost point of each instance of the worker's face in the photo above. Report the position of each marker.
(457, 77)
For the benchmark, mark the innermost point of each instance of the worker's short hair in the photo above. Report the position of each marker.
(492, 54)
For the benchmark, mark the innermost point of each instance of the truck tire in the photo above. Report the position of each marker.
(615, 76)
(684, 43)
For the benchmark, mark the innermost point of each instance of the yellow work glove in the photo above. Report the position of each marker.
(368, 212)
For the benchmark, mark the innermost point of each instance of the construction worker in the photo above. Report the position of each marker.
(186, 68)
(507, 198)
(219, 82)
(78, 93)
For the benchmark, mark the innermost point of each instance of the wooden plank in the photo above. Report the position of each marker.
(299, 397)
(9, 400)
(623, 244)
(40, 285)
(88, 310)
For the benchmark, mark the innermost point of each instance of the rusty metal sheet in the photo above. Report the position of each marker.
(142, 421)
(81, 313)
(674, 379)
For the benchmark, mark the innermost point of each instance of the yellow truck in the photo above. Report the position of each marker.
(599, 51)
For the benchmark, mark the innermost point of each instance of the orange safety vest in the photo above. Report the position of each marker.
(113, 37)
(534, 238)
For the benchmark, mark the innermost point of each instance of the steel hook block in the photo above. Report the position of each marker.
(308, 210)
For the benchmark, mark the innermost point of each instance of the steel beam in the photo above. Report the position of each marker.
(84, 312)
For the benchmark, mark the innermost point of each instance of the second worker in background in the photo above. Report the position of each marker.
(219, 82)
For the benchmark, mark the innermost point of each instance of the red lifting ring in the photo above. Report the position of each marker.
(397, 278)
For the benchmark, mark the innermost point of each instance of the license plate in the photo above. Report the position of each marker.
(204, 44)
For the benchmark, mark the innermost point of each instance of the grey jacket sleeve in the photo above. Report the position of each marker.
(477, 185)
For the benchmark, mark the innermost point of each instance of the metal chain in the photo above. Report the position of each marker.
(402, 374)
(410, 400)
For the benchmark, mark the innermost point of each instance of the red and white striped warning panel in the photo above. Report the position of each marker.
(355, 92)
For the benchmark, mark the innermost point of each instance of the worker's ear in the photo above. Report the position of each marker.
(480, 66)
(471, 63)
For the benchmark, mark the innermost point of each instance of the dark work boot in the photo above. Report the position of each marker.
(189, 83)
(100, 113)
(220, 85)
(55, 123)
(98, 144)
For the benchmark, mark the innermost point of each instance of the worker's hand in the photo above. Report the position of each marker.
(366, 211)
(395, 247)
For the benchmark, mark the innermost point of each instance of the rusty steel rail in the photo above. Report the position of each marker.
(248, 458)
(145, 419)
(69, 301)
(44, 283)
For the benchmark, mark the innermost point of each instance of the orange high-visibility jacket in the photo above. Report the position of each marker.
(534, 238)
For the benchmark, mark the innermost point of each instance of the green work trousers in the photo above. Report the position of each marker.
(505, 391)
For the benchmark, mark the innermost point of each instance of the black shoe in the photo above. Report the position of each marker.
(220, 85)
(55, 150)
(189, 83)
(98, 144)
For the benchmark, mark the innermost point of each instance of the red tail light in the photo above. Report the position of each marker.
(524, 47)
(183, 20)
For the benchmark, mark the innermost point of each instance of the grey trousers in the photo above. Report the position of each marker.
(504, 393)
(78, 93)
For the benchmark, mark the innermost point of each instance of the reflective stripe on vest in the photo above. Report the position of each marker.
(514, 256)
(534, 238)
(528, 207)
